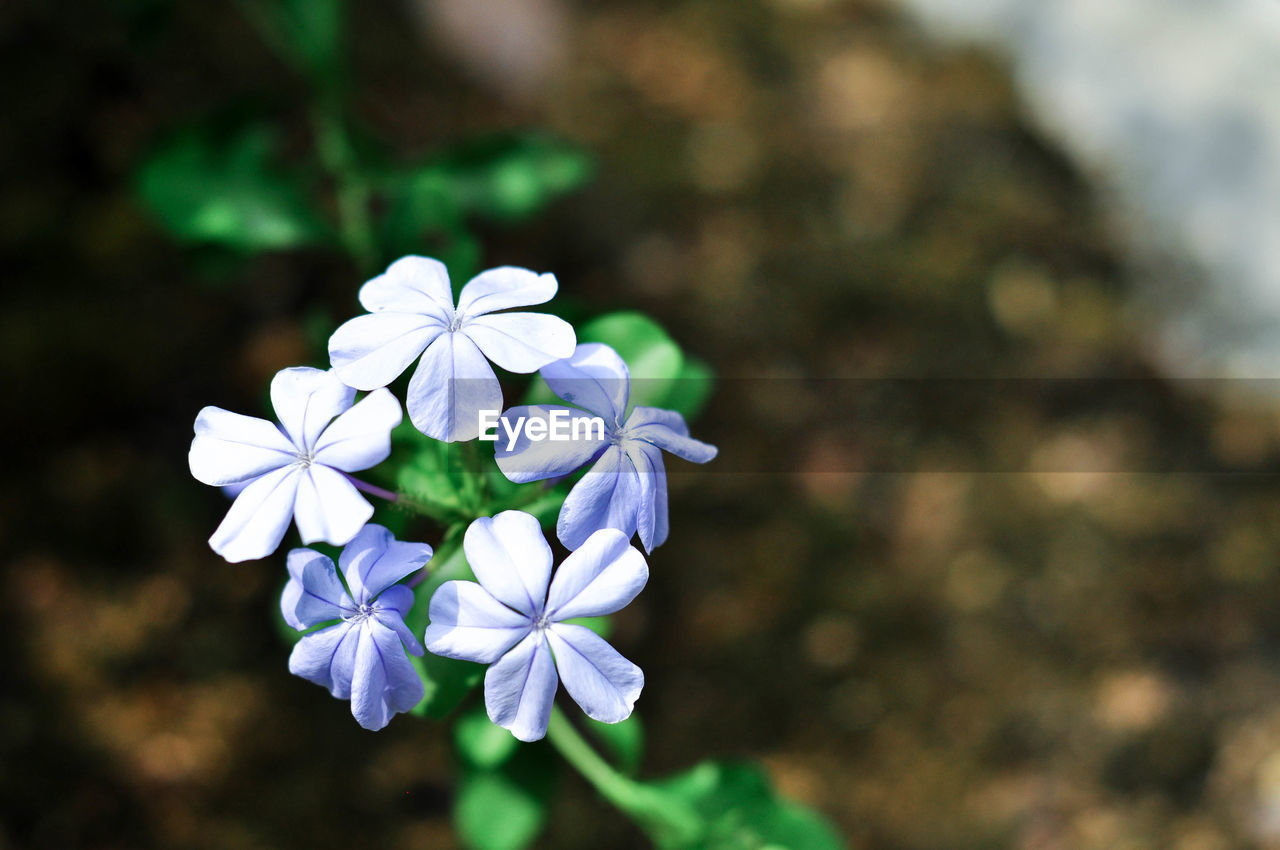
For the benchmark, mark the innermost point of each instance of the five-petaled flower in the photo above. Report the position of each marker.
(411, 313)
(514, 622)
(627, 487)
(295, 469)
(361, 657)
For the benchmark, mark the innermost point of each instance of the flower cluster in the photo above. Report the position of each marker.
(513, 620)
(515, 617)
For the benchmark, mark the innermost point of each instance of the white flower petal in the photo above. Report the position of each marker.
(667, 430)
(404, 687)
(469, 624)
(504, 287)
(411, 285)
(306, 400)
(511, 559)
(374, 560)
(372, 350)
(328, 506)
(608, 496)
(361, 437)
(595, 378)
(383, 681)
(599, 679)
(258, 518)
(522, 342)
(651, 513)
(368, 681)
(393, 604)
(600, 577)
(313, 593)
(450, 387)
(520, 688)
(229, 448)
(326, 657)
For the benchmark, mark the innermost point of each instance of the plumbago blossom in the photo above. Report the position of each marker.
(362, 656)
(411, 313)
(513, 621)
(293, 470)
(626, 489)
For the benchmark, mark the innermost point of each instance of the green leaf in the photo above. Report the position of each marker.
(421, 206)
(480, 742)
(504, 179)
(505, 808)
(624, 741)
(314, 28)
(445, 681)
(546, 508)
(511, 177)
(212, 189)
(742, 811)
(690, 390)
(602, 626)
(307, 34)
(430, 474)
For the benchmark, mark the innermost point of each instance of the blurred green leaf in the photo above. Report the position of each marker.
(421, 207)
(446, 683)
(307, 34)
(690, 390)
(503, 179)
(207, 188)
(512, 177)
(314, 28)
(504, 808)
(480, 742)
(624, 741)
(602, 626)
(742, 811)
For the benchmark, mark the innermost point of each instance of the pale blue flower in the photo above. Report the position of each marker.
(411, 313)
(626, 489)
(293, 470)
(362, 655)
(514, 622)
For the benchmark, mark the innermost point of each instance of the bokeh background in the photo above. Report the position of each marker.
(1039, 613)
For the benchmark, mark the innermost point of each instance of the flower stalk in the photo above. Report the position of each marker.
(667, 820)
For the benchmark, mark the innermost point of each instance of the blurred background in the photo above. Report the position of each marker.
(979, 565)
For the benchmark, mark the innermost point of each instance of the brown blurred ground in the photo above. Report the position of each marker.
(936, 659)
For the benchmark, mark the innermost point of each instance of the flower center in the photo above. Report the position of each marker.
(541, 623)
(304, 460)
(359, 615)
(455, 324)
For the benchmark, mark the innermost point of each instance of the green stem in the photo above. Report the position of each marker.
(667, 820)
(450, 564)
(339, 159)
(474, 486)
(332, 141)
